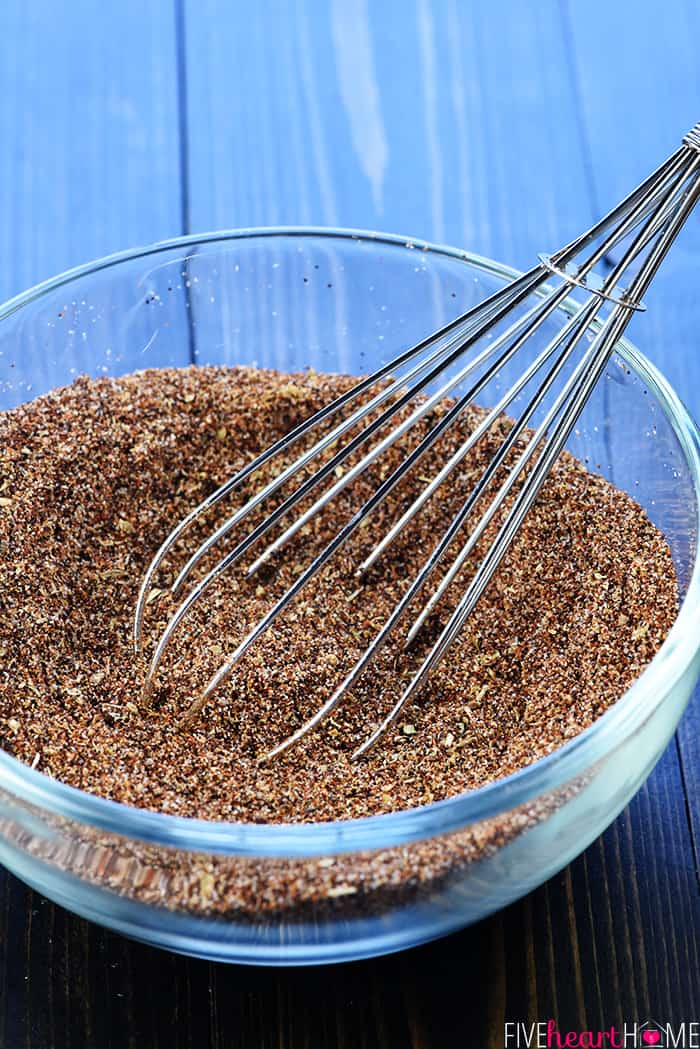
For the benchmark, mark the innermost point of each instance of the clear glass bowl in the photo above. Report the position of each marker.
(337, 301)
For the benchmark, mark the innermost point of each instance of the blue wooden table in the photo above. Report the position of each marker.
(503, 128)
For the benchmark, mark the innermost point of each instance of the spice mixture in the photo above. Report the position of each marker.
(94, 475)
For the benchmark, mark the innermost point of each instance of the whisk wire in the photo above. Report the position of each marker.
(378, 496)
(651, 215)
(424, 372)
(614, 275)
(448, 537)
(587, 374)
(510, 294)
(310, 483)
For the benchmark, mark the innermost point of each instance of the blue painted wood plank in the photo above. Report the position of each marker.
(89, 133)
(440, 120)
(635, 110)
(89, 164)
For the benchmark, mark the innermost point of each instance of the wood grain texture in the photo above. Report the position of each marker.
(423, 118)
(634, 109)
(498, 127)
(89, 132)
(613, 936)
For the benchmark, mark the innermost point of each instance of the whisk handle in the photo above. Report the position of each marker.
(692, 139)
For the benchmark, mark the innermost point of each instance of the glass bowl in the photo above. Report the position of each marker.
(337, 301)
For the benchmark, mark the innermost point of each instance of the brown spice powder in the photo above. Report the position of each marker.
(94, 475)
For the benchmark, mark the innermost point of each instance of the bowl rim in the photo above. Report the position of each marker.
(646, 693)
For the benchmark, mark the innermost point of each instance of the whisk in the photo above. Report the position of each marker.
(644, 225)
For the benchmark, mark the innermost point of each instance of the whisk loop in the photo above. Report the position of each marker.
(647, 222)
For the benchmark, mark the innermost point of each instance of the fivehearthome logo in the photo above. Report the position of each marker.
(635, 1034)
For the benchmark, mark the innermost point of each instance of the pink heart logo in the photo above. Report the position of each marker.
(651, 1037)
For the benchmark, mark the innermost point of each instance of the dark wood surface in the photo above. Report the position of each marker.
(500, 127)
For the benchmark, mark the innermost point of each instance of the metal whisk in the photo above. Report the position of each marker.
(647, 221)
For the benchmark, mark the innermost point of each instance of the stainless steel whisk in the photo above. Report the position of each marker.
(648, 221)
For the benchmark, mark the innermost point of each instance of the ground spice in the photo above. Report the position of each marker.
(94, 475)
